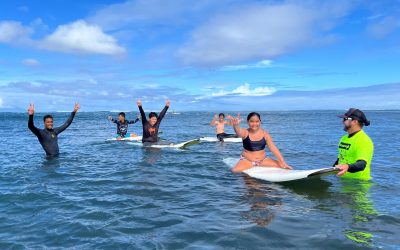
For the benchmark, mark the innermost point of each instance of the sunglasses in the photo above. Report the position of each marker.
(347, 118)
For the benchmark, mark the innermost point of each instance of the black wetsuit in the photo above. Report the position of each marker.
(122, 127)
(48, 137)
(150, 133)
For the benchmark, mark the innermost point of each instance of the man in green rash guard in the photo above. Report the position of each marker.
(355, 148)
(48, 137)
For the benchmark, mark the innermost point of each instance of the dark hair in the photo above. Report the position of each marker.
(221, 114)
(253, 114)
(46, 117)
(153, 114)
(122, 113)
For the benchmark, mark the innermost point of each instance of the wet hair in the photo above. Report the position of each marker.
(153, 114)
(46, 117)
(249, 116)
(221, 114)
(122, 113)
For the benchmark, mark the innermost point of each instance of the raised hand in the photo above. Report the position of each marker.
(31, 109)
(167, 103)
(139, 102)
(77, 107)
(235, 120)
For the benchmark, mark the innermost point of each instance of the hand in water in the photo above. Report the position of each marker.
(139, 102)
(31, 109)
(167, 103)
(77, 107)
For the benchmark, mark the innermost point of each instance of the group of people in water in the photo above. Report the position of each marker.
(354, 156)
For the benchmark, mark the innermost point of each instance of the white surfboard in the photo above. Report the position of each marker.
(215, 139)
(162, 144)
(132, 138)
(281, 175)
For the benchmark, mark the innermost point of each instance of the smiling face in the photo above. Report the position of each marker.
(153, 120)
(254, 123)
(48, 123)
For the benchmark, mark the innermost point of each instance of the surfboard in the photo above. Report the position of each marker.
(215, 139)
(272, 174)
(132, 138)
(165, 144)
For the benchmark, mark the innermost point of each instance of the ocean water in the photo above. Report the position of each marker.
(99, 195)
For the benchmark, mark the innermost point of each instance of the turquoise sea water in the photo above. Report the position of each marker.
(121, 196)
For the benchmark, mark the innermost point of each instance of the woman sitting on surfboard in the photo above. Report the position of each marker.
(254, 141)
(150, 127)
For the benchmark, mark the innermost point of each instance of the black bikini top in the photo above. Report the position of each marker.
(254, 145)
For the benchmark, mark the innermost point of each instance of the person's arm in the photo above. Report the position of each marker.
(63, 127)
(162, 113)
(110, 118)
(275, 151)
(31, 125)
(142, 114)
(358, 166)
(241, 132)
(213, 121)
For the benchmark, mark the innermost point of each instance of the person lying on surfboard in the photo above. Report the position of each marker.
(219, 122)
(122, 125)
(254, 141)
(151, 126)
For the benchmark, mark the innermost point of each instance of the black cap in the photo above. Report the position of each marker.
(356, 114)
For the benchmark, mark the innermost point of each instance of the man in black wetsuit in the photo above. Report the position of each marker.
(122, 125)
(48, 137)
(150, 127)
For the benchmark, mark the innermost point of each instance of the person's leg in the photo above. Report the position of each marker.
(242, 165)
(133, 135)
(220, 137)
(268, 162)
(230, 136)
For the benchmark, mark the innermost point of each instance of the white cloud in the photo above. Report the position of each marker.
(260, 64)
(1, 103)
(384, 27)
(130, 13)
(81, 37)
(245, 90)
(14, 32)
(30, 62)
(260, 31)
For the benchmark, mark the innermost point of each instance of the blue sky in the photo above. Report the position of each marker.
(203, 55)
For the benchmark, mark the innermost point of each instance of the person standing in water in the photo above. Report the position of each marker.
(48, 137)
(151, 126)
(254, 141)
(122, 125)
(355, 148)
(219, 122)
